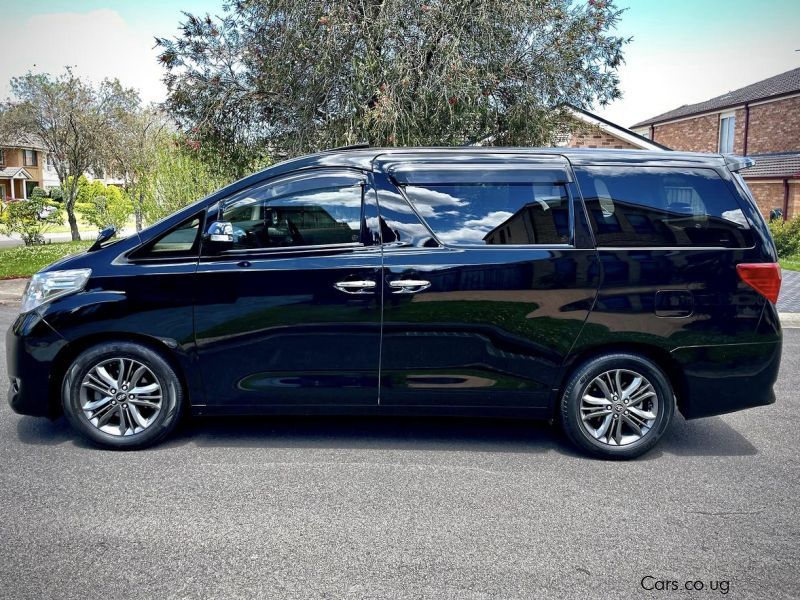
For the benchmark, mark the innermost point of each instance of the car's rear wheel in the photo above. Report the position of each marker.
(617, 405)
(122, 395)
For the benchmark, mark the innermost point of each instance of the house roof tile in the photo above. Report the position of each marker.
(784, 164)
(785, 83)
(10, 172)
(24, 140)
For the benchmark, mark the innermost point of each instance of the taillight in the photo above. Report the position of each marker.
(765, 278)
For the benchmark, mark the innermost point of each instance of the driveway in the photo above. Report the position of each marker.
(402, 508)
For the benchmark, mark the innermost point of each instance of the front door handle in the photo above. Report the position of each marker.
(409, 286)
(355, 287)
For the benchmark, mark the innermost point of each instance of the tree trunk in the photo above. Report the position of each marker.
(139, 210)
(73, 222)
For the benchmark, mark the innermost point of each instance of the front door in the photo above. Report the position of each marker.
(290, 315)
(487, 291)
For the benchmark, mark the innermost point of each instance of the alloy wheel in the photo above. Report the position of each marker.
(120, 396)
(619, 407)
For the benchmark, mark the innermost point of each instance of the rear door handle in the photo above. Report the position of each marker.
(409, 286)
(355, 287)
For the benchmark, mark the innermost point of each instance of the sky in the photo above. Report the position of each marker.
(682, 51)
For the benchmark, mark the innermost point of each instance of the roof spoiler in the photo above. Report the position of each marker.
(737, 163)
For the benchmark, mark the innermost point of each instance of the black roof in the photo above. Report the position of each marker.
(362, 158)
(779, 85)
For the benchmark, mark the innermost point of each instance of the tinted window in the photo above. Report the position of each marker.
(181, 240)
(398, 223)
(494, 213)
(315, 209)
(656, 206)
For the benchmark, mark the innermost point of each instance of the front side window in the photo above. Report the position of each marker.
(497, 209)
(727, 126)
(318, 209)
(30, 158)
(656, 206)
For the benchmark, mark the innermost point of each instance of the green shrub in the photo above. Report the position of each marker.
(787, 236)
(56, 194)
(38, 192)
(102, 205)
(29, 218)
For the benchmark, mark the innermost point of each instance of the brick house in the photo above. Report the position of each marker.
(761, 120)
(24, 165)
(591, 131)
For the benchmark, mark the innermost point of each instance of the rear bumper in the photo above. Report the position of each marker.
(31, 346)
(726, 378)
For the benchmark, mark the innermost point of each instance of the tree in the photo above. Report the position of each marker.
(179, 178)
(299, 75)
(72, 118)
(133, 149)
(102, 205)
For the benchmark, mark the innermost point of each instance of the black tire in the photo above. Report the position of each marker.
(161, 424)
(579, 384)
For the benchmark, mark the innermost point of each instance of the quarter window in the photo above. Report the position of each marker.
(320, 209)
(180, 240)
(654, 206)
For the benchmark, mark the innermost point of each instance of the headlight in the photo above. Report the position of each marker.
(44, 287)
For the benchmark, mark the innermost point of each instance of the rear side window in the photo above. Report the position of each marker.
(496, 209)
(659, 206)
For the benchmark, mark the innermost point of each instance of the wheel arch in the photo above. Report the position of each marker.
(661, 357)
(68, 353)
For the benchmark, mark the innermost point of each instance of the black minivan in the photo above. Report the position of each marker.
(599, 288)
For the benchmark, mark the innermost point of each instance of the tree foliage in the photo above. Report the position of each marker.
(299, 75)
(72, 118)
(133, 149)
(179, 177)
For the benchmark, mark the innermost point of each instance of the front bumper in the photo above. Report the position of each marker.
(31, 347)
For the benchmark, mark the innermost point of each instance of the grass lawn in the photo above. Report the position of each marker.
(24, 261)
(792, 263)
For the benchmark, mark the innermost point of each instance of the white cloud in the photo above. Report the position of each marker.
(97, 44)
(490, 221)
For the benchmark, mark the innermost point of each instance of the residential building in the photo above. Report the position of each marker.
(761, 120)
(24, 165)
(587, 130)
(591, 131)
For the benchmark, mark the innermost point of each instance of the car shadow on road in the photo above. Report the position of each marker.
(705, 437)
(361, 432)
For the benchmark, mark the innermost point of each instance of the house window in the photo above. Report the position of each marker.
(727, 126)
(30, 158)
(2, 156)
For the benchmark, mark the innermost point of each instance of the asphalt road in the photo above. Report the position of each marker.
(402, 508)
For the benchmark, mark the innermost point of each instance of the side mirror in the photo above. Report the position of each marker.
(220, 235)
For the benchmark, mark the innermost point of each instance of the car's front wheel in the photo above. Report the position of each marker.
(122, 395)
(617, 405)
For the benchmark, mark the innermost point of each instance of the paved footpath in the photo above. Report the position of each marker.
(789, 299)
